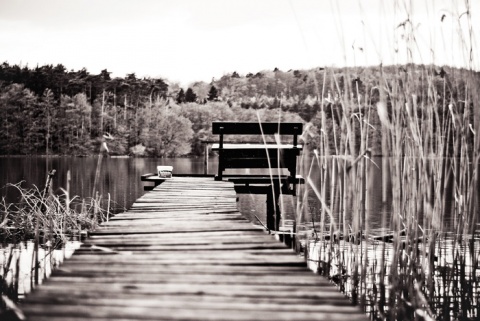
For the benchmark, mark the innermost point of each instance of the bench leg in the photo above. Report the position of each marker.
(219, 177)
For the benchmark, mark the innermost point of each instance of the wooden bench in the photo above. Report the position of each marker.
(270, 153)
(261, 155)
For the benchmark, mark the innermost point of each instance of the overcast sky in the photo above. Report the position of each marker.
(189, 40)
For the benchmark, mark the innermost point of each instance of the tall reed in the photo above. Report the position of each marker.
(421, 260)
(425, 265)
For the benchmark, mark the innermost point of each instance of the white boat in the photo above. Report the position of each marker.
(165, 172)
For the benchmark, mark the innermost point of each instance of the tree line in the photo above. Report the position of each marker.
(50, 110)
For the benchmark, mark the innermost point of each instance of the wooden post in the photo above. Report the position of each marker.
(277, 207)
(273, 210)
(205, 160)
(288, 238)
(270, 210)
(37, 225)
(220, 156)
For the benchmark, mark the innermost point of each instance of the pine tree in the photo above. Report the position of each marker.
(180, 96)
(190, 96)
(213, 94)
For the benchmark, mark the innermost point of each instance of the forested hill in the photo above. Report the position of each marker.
(49, 108)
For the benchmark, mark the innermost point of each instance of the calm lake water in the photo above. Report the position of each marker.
(120, 178)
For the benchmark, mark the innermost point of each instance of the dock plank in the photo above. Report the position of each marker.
(184, 252)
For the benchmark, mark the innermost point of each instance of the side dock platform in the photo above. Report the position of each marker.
(184, 252)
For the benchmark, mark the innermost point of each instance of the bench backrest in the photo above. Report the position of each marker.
(255, 128)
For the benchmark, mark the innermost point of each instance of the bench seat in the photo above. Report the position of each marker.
(258, 156)
(256, 146)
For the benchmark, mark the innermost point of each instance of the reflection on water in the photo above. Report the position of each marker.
(20, 271)
(120, 177)
(449, 276)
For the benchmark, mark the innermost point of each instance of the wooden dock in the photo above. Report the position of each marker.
(184, 252)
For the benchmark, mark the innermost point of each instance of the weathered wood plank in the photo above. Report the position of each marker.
(184, 252)
(134, 312)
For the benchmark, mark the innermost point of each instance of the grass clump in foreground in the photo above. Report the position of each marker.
(36, 235)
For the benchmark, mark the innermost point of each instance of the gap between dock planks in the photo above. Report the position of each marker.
(184, 252)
